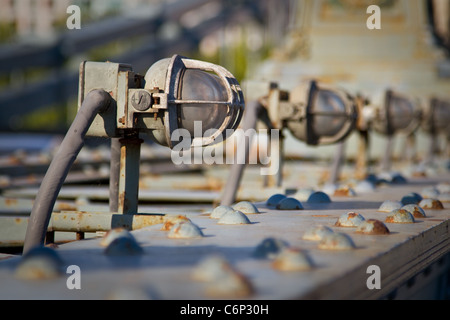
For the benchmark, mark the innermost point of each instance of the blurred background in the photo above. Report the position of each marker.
(273, 40)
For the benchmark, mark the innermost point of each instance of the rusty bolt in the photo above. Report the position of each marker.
(344, 191)
(303, 194)
(415, 210)
(123, 246)
(293, 260)
(185, 230)
(390, 205)
(246, 207)
(319, 197)
(317, 233)
(219, 211)
(289, 204)
(141, 100)
(411, 198)
(40, 263)
(222, 279)
(433, 204)
(337, 241)
(234, 217)
(269, 248)
(430, 192)
(444, 197)
(373, 227)
(399, 216)
(113, 234)
(350, 219)
(274, 200)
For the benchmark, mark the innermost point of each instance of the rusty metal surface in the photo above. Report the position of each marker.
(164, 269)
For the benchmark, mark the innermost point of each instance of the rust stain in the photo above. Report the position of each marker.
(10, 202)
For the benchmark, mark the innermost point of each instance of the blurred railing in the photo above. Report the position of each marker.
(61, 84)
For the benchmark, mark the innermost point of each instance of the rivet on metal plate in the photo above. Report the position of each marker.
(444, 197)
(319, 197)
(124, 246)
(185, 230)
(344, 191)
(350, 219)
(113, 234)
(317, 233)
(234, 217)
(40, 263)
(289, 204)
(167, 226)
(430, 192)
(246, 207)
(293, 260)
(274, 200)
(337, 241)
(303, 194)
(390, 205)
(399, 216)
(219, 211)
(223, 281)
(269, 248)
(411, 198)
(415, 210)
(433, 204)
(373, 227)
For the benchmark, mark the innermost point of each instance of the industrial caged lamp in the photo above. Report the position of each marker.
(117, 103)
(436, 121)
(313, 112)
(398, 113)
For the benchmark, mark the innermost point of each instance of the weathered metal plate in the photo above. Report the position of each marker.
(164, 270)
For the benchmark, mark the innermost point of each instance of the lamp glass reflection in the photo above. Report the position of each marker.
(201, 86)
(329, 113)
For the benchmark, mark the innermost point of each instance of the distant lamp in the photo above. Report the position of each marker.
(314, 113)
(325, 115)
(397, 114)
(436, 121)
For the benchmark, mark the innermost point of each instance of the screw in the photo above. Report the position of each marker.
(141, 100)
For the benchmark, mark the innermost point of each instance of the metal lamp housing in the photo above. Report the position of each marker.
(398, 114)
(176, 93)
(195, 91)
(437, 117)
(325, 116)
